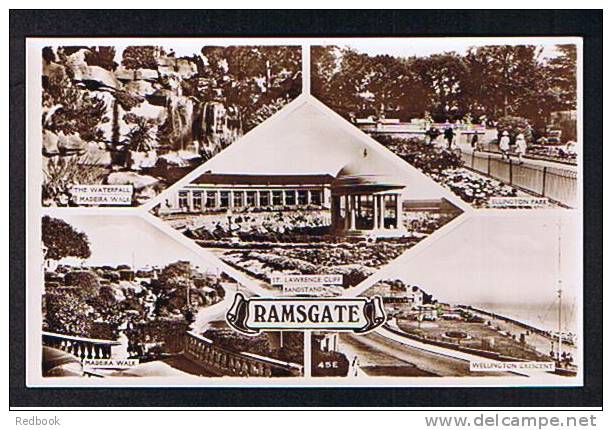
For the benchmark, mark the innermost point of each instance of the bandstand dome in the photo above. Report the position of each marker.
(368, 171)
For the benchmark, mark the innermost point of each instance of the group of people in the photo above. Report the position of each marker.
(519, 142)
(565, 360)
(432, 134)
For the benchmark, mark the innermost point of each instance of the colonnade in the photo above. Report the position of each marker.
(203, 199)
(355, 206)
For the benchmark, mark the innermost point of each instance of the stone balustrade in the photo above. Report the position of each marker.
(223, 361)
(81, 347)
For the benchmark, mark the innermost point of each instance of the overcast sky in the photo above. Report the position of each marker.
(118, 240)
(506, 263)
(508, 258)
(401, 47)
(425, 47)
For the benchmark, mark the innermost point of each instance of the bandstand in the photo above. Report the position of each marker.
(366, 199)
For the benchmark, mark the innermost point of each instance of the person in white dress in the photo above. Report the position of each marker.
(504, 145)
(521, 146)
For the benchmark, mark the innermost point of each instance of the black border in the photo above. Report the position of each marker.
(168, 23)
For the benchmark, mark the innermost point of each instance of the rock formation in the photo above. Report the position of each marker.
(181, 130)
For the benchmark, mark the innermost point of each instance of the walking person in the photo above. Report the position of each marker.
(475, 144)
(521, 146)
(449, 135)
(504, 145)
(428, 136)
(355, 366)
(433, 135)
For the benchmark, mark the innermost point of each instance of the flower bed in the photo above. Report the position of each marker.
(472, 187)
(446, 168)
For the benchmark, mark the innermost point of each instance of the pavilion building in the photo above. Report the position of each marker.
(211, 193)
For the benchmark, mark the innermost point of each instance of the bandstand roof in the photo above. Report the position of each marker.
(369, 171)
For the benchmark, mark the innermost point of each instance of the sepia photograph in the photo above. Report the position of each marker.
(496, 124)
(306, 210)
(308, 194)
(395, 212)
(116, 310)
(142, 116)
(517, 299)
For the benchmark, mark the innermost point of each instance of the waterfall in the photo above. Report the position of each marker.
(180, 116)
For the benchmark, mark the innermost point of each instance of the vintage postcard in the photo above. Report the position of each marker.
(260, 212)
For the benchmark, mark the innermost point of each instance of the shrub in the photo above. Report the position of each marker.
(87, 282)
(69, 314)
(515, 125)
(427, 158)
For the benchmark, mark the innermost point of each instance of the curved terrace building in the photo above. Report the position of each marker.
(211, 193)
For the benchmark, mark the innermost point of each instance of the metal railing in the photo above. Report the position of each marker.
(555, 183)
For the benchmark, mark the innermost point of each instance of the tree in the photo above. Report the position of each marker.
(355, 84)
(501, 78)
(562, 69)
(346, 93)
(443, 77)
(141, 136)
(142, 57)
(391, 85)
(344, 81)
(264, 112)
(110, 312)
(175, 275)
(490, 81)
(558, 92)
(101, 56)
(173, 283)
(324, 63)
(62, 240)
(247, 77)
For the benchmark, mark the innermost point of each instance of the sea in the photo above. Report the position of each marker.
(542, 316)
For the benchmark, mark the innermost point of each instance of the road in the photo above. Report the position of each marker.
(375, 349)
(216, 312)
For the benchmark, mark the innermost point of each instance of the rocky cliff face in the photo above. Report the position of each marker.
(125, 121)
(155, 95)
